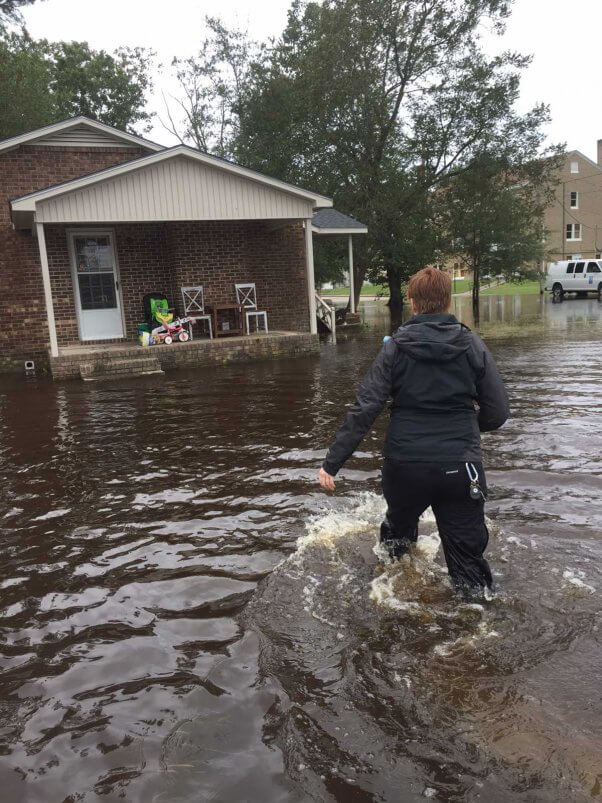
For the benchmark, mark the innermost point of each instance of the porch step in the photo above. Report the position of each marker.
(120, 368)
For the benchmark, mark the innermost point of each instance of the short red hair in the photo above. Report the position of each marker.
(430, 289)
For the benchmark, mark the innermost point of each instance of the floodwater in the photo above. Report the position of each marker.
(184, 616)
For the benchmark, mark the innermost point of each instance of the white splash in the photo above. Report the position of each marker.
(575, 578)
(329, 527)
(483, 631)
(385, 588)
(512, 539)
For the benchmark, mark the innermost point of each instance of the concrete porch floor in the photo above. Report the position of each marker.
(128, 358)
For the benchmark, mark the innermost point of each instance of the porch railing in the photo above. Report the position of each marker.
(326, 313)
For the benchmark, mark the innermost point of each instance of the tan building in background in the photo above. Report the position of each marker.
(574, 221)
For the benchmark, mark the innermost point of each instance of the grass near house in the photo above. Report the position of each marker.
(460, 286)
(367, 290)
(513, 289)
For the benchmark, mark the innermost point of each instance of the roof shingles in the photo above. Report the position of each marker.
(325, 219)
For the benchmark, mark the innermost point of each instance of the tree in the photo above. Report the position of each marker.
(494, 209)
(42, 82)
(330, 260)
(25, 75)
(10, 12)
(109, 88)
(210, 89)
(377, 103)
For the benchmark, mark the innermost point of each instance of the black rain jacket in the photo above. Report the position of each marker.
(446, 390)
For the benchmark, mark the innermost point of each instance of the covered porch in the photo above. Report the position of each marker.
(161, 223)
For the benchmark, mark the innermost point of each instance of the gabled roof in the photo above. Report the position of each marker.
(330, 221)
(78, 123)
(27, 203)
(584, 157)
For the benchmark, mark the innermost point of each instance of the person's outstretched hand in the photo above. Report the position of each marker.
(326, 480)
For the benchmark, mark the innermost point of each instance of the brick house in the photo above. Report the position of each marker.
(157, 219)
(573, 221)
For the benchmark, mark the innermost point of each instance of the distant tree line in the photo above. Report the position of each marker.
(392, 107)
(42, 82)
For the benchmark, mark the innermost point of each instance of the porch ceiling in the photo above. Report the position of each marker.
(175, 185)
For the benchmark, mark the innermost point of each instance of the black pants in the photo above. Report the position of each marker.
(410, 488)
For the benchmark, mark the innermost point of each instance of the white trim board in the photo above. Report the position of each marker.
(77, 122)
(318, 231)
(27, 203)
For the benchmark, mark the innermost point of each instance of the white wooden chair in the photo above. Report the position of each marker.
(194, 307)
(246, 296)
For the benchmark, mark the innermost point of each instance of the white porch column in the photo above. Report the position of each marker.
(351, 276)
(54, 349)
(311, 284)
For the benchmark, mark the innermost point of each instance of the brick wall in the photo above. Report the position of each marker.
(151, 257)
(221, 254)
(166, 256)
(24, 332)
(187, 355)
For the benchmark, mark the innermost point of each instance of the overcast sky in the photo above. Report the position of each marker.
(562, 36)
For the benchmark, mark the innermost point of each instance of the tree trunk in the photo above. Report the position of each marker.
(359, 275)
(476, 281)
(395, 297)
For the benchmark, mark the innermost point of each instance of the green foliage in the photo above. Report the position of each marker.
(494, 212)
(25, 76)
(210, 85)
(42, 82)
(330, 260)
(10, 12)
(377, 103)
(109, 88)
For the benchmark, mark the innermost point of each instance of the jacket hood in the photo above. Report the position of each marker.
(433, 338)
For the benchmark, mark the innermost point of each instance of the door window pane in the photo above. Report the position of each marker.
(593, 268)
(570, 267)
(97, 291)
(93, 254)
(579, 267)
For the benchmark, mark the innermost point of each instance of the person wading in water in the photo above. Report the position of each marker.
(446, 390)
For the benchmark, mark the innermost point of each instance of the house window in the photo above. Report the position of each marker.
(574, 167)
(574, 200)
(573, 231)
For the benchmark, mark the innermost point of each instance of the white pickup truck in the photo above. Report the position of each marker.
(575, 276)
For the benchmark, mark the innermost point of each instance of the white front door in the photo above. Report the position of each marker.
(96, 282)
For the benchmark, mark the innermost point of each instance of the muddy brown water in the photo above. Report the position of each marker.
(184, 616)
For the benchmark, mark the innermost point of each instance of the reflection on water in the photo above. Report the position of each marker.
(185, 617)
(519, 310)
